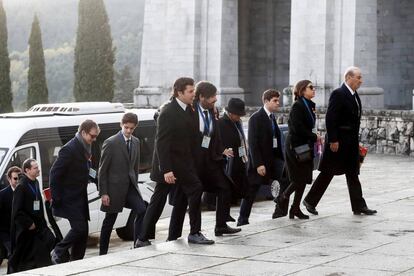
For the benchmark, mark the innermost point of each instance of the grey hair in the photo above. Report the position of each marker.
(350, 71)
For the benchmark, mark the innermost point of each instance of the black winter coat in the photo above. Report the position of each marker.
(29, 247)
(342, 124)
(301, 122)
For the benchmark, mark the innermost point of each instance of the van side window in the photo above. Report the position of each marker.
(17, 160)
(146, 135)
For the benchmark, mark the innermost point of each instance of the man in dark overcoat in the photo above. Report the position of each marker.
(341, 151)
(31, 239)
(232, 136)
(174, 162)
(265, 151)
(118, 179)
(209, 152)
(69, 178)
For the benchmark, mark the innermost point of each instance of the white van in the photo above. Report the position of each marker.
(41, 131)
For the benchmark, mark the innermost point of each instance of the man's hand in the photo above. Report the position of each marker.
(334, 146)
(105, 200)
(32, 227)
(228, 152)
(169, 178)
(261, 170)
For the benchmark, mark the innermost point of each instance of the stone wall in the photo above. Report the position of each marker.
(396, 52)
(382, 131)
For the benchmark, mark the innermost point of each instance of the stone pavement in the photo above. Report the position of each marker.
(334, 243)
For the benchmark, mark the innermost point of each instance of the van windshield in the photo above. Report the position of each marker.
(3, 152)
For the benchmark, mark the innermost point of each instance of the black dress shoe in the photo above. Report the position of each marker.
(219, 231)
(230, 218)
(310, 208)
(199, 238)
(365, 211)
(296, 212)
(139, 243)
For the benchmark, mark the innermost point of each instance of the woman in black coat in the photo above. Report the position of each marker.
(302, 131)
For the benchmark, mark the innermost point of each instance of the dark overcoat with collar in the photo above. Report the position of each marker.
(342, 124)
(175, 142)
(69, 178)
(301, 122)
(117, 170)
(29, 248)
(261, 151)
(231, 139)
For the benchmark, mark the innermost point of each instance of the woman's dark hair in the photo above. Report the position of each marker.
(300, 88)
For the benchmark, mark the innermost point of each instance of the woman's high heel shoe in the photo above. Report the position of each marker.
(296, 212)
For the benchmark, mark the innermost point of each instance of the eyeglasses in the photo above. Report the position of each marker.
(15, 178)
(311, 87)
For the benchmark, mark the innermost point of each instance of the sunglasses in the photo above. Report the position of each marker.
(311, 87)
(15, 178)
(93, 136)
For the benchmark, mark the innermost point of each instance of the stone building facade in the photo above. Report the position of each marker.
(247, 46)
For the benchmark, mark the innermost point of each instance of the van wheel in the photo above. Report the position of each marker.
(126, 233)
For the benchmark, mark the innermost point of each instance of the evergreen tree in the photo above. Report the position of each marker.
(6, 96)
(94, 54)
(37, 86)
(125, 86)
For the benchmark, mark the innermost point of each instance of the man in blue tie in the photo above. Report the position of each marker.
(265, 151)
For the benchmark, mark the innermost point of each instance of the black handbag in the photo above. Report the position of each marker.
(303, 153)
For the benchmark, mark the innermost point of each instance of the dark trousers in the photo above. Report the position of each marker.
(299, 189)
(133, 201)
(76, 239)
(5, 241)
(181, 200)
(322, 182)
(154, 210)
(213, 180)
(246, 204)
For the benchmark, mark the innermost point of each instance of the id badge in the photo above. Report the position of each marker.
(92, 173)
(242, 151)
(206, 142)
(275, 143)
(36, 205)
(314, 130)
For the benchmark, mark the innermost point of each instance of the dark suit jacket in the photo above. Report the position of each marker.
(6, 198)
(342, 124)
(69, 181)
(261, 151)
(174, 145)
(301, 122)
(118, 170)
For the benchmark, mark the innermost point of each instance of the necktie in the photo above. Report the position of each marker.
(356, 100)
(128, 142)
(206, 123)
(272, 119)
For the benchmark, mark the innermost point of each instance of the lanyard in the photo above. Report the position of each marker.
(310, 112)
(34, 191)
(205, 120)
